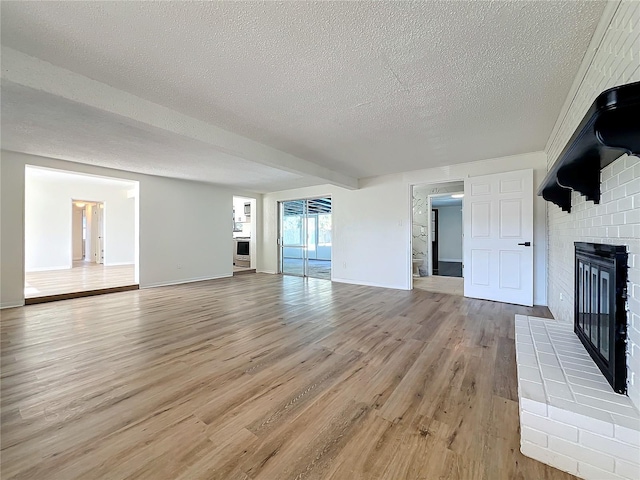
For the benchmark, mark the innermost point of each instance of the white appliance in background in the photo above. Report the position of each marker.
(241, 255)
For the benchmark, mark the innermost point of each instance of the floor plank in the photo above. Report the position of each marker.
(82, 277)
(262, 377)
(435, 283)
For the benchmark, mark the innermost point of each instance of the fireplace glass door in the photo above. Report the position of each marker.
(594, 305)
(600, 320)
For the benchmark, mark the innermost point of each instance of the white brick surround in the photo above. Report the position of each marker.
(570, 417)
(616, 220)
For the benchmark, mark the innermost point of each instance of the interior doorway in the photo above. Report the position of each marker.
(244, 235)
(446, 241)
(437, 237)
(81, 234)
(88, 233)
(306, 237)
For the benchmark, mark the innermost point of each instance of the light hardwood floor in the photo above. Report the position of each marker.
(263, 377)
(437, 284)
(82, 277)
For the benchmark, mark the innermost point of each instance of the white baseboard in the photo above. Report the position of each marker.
(47, 269)
(459, 260)
(186, 280)
(367, 284)
(116, 264)
(12, 304)
(270, 272)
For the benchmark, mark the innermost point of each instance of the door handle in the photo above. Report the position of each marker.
(526, 244)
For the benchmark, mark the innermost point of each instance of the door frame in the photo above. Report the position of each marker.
(279, 233)
(428, 207)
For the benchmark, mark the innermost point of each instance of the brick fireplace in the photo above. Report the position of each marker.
(570, 416)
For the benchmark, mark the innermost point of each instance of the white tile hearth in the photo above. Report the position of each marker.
(570, 417)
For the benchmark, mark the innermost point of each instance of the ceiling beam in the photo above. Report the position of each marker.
(32, 72)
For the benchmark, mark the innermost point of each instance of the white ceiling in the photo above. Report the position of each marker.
(360, 88)
(42, 124)
(58, 176)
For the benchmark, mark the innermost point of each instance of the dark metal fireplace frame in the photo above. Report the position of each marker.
(600, 318)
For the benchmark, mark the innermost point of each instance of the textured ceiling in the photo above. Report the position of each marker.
(362, 88)
(42, 124)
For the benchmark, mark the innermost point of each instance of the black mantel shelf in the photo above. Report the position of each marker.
(610, 128)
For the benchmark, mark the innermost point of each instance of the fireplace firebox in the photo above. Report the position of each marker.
(600, 318)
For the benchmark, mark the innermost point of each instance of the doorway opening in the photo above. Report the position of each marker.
(446, 242)
(81, 234)
(87, 238)
(437, 237)
(244, 235)
(306, 237)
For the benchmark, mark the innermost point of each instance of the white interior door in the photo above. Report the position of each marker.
(100, 232)
(498, 237)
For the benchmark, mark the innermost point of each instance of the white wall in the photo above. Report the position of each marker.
(48, 218)
(184, 227)
(613, 60)
(184, 232)
(11, 232)
(372, 225)
(450, 234)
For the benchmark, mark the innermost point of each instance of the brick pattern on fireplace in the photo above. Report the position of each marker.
(570, 417)
(616, 220)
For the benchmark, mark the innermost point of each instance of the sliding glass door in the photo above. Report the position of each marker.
(305, 237)
(293, 237)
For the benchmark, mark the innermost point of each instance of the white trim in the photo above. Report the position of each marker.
(270, 272)
(601, 29)
(14, 304)
(47, 269)
(367, 284)
(116, 264)
(187, 280)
